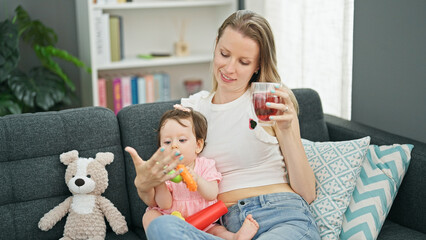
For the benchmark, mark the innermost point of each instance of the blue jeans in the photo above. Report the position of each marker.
(280, 216)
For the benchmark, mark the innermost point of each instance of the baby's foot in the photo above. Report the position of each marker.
(248, 229)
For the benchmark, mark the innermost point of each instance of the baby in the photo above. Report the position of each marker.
(185, 130)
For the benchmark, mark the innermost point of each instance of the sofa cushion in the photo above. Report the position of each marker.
(131, 235)
(311, 117)
(33, 178)
(138, 124)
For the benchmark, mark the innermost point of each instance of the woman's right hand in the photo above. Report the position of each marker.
(154, 171)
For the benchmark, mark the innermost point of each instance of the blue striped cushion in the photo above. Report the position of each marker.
(381, 175)
(336, 166)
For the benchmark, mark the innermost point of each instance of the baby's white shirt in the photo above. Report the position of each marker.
(246, 157)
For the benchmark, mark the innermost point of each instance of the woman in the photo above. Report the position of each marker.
(265, 170)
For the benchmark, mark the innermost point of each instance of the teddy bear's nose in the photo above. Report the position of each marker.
(79, 182)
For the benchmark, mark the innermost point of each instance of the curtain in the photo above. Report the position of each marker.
(314, 47)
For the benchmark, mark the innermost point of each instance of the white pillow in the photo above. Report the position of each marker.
(336, 166)
(381, 175)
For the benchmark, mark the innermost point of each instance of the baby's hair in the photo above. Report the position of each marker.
(198, 120)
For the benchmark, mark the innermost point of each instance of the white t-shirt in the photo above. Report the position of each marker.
(246, 157)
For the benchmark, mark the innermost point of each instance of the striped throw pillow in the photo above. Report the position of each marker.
(381, 175)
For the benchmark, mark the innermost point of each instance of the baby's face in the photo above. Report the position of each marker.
(182, 138)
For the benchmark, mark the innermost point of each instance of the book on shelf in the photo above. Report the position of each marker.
(166, 87)
(118, 104)
(121, 37)
(158, 86)
(141, 90)
(134, 89)
(102, 37)
(102, 92)
(116, 38)
(126, 91)
(162, 87)
(109, 93)
(149, 88)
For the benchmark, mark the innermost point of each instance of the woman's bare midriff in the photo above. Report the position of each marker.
(230, 198)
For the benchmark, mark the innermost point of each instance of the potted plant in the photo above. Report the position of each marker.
(42, 88)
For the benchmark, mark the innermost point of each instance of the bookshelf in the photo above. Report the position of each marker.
(152, 26)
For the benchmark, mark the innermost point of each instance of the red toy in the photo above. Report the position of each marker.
(208, 215)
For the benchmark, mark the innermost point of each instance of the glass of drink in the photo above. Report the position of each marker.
(261, 93)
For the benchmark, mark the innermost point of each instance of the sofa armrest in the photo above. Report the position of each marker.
(408, 208)
(394, 231)
(340, 129)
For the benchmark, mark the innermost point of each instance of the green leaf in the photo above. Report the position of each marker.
(45, 54)
(50, 88)
(8, 102)
(23, 87)
(34, 32)
(9, 48)
(9, 107)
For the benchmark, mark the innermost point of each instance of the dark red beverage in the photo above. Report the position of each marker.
(259, 103)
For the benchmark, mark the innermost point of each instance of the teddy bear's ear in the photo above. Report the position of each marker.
(69, 157)
(104, 158)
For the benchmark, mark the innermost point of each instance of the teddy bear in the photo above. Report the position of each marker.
(86, 179)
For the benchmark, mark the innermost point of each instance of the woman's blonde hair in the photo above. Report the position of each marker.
(257, 28)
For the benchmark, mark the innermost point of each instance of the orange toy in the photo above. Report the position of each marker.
(187, 178)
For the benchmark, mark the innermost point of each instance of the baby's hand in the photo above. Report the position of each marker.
(207, 189)
(194, 175)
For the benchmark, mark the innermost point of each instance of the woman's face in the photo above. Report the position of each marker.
(236, 58)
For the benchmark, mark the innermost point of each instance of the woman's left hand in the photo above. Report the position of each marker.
(287, 113)
(287, 130)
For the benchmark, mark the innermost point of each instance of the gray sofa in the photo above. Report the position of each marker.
(32, 177)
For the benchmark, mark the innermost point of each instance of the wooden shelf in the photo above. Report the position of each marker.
(162, 4)
(160, 61)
